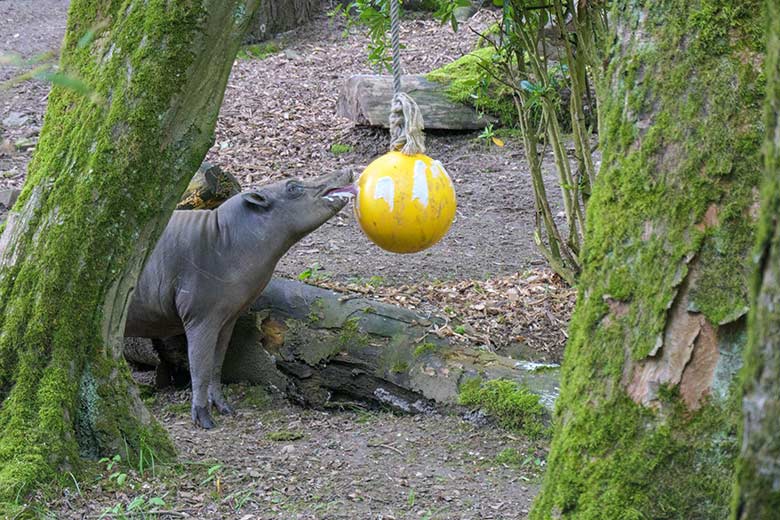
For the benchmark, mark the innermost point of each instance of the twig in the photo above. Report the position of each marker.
(387, 447)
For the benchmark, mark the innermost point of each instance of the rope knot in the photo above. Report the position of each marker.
(406, 125)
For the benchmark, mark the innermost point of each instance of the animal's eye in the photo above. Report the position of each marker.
(294, 188)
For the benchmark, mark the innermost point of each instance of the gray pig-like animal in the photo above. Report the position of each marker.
(209, 266)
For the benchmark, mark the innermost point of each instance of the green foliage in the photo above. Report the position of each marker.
(258, 51)
(374, 17)
(514, 406)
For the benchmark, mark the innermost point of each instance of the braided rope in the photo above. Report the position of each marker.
(406, 121)
(395, 42)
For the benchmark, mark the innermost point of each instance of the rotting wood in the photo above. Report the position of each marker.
(319, 348)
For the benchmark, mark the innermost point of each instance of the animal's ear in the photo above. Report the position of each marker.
(258, 199)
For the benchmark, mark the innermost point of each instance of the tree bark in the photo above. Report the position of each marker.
(275, 16)
(757, 491)
(645, 425)
(109, 168)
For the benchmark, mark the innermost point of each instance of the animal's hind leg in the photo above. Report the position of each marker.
(215, 386)
(201, 346)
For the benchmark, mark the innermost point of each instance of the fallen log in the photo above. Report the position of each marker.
(365, 99)
(320, 348)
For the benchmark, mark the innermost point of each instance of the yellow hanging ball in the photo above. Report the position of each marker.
(405, 203)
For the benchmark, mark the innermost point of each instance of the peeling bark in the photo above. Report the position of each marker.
(645, 409)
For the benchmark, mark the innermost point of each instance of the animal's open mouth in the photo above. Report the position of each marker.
(342, 193)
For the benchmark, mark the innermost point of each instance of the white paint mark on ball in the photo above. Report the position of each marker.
(420, 185)
(385, 190)
(437, 168)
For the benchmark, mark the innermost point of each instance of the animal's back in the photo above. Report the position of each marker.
(153, 310)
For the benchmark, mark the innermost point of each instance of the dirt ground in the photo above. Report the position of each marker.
(278, 461)
(278, 120)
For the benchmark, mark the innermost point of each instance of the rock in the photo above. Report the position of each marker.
(15, 119)
(365, 99)
(209, 187)
(291, 54)
(464, 13)
(8, 198)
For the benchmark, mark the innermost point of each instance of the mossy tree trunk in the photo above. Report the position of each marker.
(757, 496)
(646, 420)
(110, 166)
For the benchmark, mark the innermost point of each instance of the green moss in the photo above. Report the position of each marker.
(109, 167)
(283, 436)
(756, 494)
(680, 134)
(467, 82)
(514, 406)
(256, 397)
(258, 51)
(351, 336)
(424, 348)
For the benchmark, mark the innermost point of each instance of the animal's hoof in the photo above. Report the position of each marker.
(224, 409)
(201, 417)
(217, 399)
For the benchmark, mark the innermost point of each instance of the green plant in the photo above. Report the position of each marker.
(399, 367)
(488, 135)
(137, 506)
(375, 281)
(340, 148)
(313, 273)
(213, 475)
(238, 499)
(118, 477)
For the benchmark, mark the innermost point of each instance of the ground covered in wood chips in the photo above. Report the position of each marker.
(278, 461)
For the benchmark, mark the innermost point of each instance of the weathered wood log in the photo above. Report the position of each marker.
(320, 347)
(209, 187)
(365, 99)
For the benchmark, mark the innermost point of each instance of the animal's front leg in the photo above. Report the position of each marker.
(201, 346)
(215, 387)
